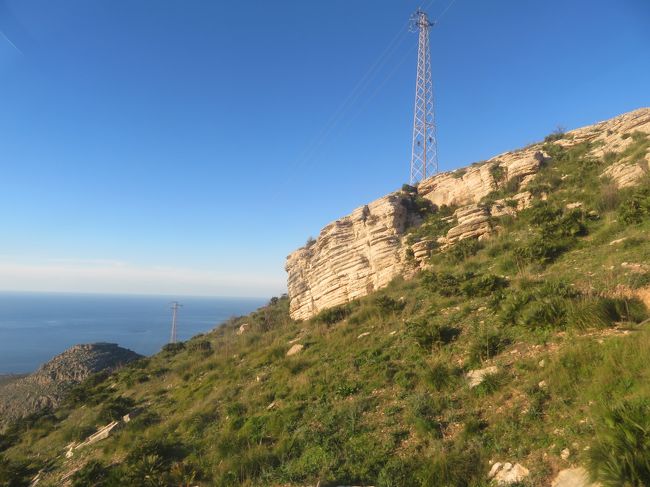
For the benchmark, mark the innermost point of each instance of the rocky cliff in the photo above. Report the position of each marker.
(47, 386)
(365, 250)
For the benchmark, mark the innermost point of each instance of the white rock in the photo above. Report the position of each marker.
(573, 477)
(295, 349)
(242, 328)
(507, 473)
(617, 241)
(564, 454)
(475, 377)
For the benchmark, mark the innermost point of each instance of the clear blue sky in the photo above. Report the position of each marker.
(173, 146)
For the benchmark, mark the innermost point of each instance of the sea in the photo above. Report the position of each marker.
(34, 327)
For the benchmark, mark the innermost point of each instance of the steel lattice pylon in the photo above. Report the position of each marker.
(424, 155)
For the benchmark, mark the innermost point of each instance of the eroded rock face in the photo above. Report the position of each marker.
(351, 257)
(48, 385)
(365, 250)
(473, 222)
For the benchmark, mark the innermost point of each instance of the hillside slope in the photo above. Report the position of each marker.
(362, 252)
(524, 355)
(46, 387)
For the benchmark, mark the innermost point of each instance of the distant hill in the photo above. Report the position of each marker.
(45, 388)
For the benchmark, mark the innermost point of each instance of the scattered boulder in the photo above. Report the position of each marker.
(475, 377)
(297, 348)
(507, 473)
(565, 454)
(573, 477)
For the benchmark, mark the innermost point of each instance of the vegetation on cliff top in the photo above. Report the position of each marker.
(379, 395)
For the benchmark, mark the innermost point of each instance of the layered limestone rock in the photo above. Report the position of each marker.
(473, 222)
(351, 257)
(365, 250)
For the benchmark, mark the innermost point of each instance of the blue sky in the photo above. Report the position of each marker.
(187, 147)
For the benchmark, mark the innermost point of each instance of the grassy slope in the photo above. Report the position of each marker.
(392, 407)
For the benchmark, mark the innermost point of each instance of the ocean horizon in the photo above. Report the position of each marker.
(36, 326)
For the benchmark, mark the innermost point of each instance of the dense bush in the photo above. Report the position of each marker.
(556, 304)
(388, 305)
(463, 250)
(199, 346)
(620, 452)
(92, 473)
(334, 315)
(558, 134)
(555, 231)
(15, 474)
(483, 285)
(486, 343)
(114, 409)
(463, 284)
(636, 208)
(173, 348)
(428, 333)
(436, 224)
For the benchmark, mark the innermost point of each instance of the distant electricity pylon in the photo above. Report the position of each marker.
(424, 155)
(174, 307)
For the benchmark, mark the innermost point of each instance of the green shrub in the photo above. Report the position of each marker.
(335, 314)
(439, 375)
(423, 415)
(388, 305)
(199, 346)
(92, 473)
(459, 173)
(398, 472)
(486, 343)
(490, 384)
(497, 172)
(636, 208)
(15, 473)
(555, 232)
(114, 409)
(462, 465)
(443, 283)
(620, 452)
(483, 285)
(428, 333)
(463, 249)
(436, 224)
(558, 134)
(173, 348)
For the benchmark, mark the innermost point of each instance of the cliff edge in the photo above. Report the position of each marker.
(364, 251)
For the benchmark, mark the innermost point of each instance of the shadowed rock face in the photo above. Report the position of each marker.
(48, 385)
(365, 250)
